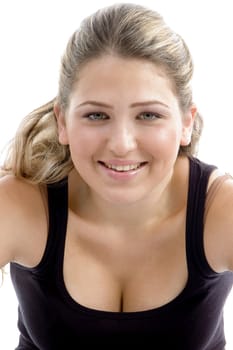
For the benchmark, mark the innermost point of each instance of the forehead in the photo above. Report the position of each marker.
(113, 66)
(116, 78)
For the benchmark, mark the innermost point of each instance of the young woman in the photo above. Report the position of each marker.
(113, 228)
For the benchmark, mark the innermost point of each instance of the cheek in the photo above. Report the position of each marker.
(82, 144)
(162, 140)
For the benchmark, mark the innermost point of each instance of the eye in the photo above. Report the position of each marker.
(96, 116)
(149, 116)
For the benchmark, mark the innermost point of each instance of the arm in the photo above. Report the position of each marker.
(23, 223)
(8, 220)
(218, 235)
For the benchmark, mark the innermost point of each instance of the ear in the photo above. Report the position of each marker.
(61, 123)
(187, 129)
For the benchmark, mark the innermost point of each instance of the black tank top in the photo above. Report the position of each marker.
(49, 319)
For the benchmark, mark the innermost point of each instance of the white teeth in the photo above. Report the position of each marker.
(123, 167)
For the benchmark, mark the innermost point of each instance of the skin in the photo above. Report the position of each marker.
(132, 129)
(126, 231)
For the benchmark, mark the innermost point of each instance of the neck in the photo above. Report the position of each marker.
(160, 204)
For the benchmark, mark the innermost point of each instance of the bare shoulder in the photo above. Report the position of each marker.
(219, 224)
(23, 221)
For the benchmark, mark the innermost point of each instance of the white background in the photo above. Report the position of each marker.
(33, 35)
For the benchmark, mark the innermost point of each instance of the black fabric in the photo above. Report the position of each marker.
(49, 319)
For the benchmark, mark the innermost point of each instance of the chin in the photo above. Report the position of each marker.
(123, 198)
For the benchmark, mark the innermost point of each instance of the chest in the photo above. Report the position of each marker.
(133, 271)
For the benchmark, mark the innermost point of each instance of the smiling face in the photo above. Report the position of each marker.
(124, 128)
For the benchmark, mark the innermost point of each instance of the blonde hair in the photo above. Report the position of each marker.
(127, 30)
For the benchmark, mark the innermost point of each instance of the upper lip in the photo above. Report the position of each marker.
(118, 162)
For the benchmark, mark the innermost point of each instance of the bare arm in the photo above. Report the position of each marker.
(8, 221)
(219, 229)
(23, 224)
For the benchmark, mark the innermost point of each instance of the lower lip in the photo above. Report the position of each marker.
(121, 175)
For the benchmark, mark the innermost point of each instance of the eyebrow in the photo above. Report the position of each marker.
(135, 104)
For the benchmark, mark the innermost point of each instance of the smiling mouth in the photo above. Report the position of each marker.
(123, 168)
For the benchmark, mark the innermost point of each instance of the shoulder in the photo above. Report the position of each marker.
(11, 187)
(219, 222)
(19, 194)
(23, 219)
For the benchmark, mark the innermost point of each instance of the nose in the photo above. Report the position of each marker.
(122, 140)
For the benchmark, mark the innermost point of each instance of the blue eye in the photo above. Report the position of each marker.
(96, 116)
(149, 116)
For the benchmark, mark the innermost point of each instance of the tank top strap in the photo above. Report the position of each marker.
(58, 214)
(199, 173)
